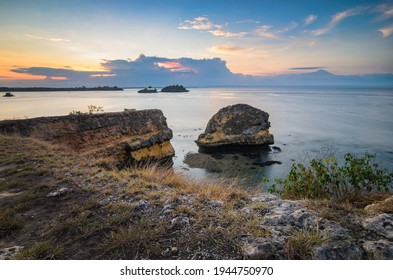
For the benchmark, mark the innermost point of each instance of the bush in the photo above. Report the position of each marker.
(91, 109)
(324, 178)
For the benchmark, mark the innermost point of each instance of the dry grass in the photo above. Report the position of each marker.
(40, 251)
(299, 245)
(9, 223)
(340, 210)
(141, 239)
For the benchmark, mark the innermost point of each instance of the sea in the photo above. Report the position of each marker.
(307, 122)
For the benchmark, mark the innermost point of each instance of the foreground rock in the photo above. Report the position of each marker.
(128, 136)
(296, 232)
(235, 127)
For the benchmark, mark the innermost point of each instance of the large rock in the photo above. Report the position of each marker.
(234, 127)
(131, 135)
(381, 224)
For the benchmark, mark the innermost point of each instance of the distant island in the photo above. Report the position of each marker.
(8, 94)
(148, 90)
(174, 88)
(83, 88)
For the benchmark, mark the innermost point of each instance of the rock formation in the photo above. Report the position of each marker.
(131, 136)
(236, 126)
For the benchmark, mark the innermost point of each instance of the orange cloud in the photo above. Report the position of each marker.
(386, 31)
(59, 78)
(174, 66)
(227, 49)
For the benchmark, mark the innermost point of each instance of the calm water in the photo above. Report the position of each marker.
(304, 121)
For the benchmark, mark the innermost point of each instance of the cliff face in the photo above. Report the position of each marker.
(131, 135)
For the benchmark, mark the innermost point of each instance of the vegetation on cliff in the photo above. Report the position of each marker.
(325, 178)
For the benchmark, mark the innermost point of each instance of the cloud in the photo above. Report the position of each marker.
(263, 31)
(204, 24)
(292, 26)
(248, 21)
(386, 31)
(199, 23)
(47, 39)
(310, 19)
(219, 32)
(227, 49)
(175, 67)
(57, 73)
(157, 71)
(337, 18)
(386, 11)
(308, 68)
(266, 31)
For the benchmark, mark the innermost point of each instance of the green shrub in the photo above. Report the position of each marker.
(324, 178)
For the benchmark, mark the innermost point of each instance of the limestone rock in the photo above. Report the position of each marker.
(8, 253)
(380, 249)
(265, 249)
(132, 135)
(236, 126)
(338, 251)
(381, 224)
(59, 192)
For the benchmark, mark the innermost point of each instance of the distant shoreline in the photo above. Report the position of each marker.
(35, 89)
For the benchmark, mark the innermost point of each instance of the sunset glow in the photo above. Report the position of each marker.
(78, 38)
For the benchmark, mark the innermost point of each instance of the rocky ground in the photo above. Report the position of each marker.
(58, 204)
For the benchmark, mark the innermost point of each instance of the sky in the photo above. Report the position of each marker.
(49, 42)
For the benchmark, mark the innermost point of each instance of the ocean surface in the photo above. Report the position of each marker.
(306, 122)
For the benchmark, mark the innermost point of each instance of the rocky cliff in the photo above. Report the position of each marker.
(130, 135)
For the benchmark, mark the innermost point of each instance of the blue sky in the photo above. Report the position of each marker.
(253, 37)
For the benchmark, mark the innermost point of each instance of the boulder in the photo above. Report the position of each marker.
(381, 224)
(8, 253)
(379, 249)
(236, 127)
(342, 250)
(129, 136)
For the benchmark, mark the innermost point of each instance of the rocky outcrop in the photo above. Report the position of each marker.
(291, 221)
(131, 135)
(237, 126)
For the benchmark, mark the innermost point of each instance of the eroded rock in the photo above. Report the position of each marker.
(236, 126)
(381, 224)
(262, 248)
(129, 136)
(338, 251)
(8, 253)
(59, 192)
(379, 249)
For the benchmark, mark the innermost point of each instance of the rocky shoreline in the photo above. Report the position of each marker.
(79, 207)
(63, 196)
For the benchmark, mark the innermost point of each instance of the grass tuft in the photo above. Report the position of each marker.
(40, 251)
(300, 244)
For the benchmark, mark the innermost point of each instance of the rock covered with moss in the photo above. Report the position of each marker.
(236, 126)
